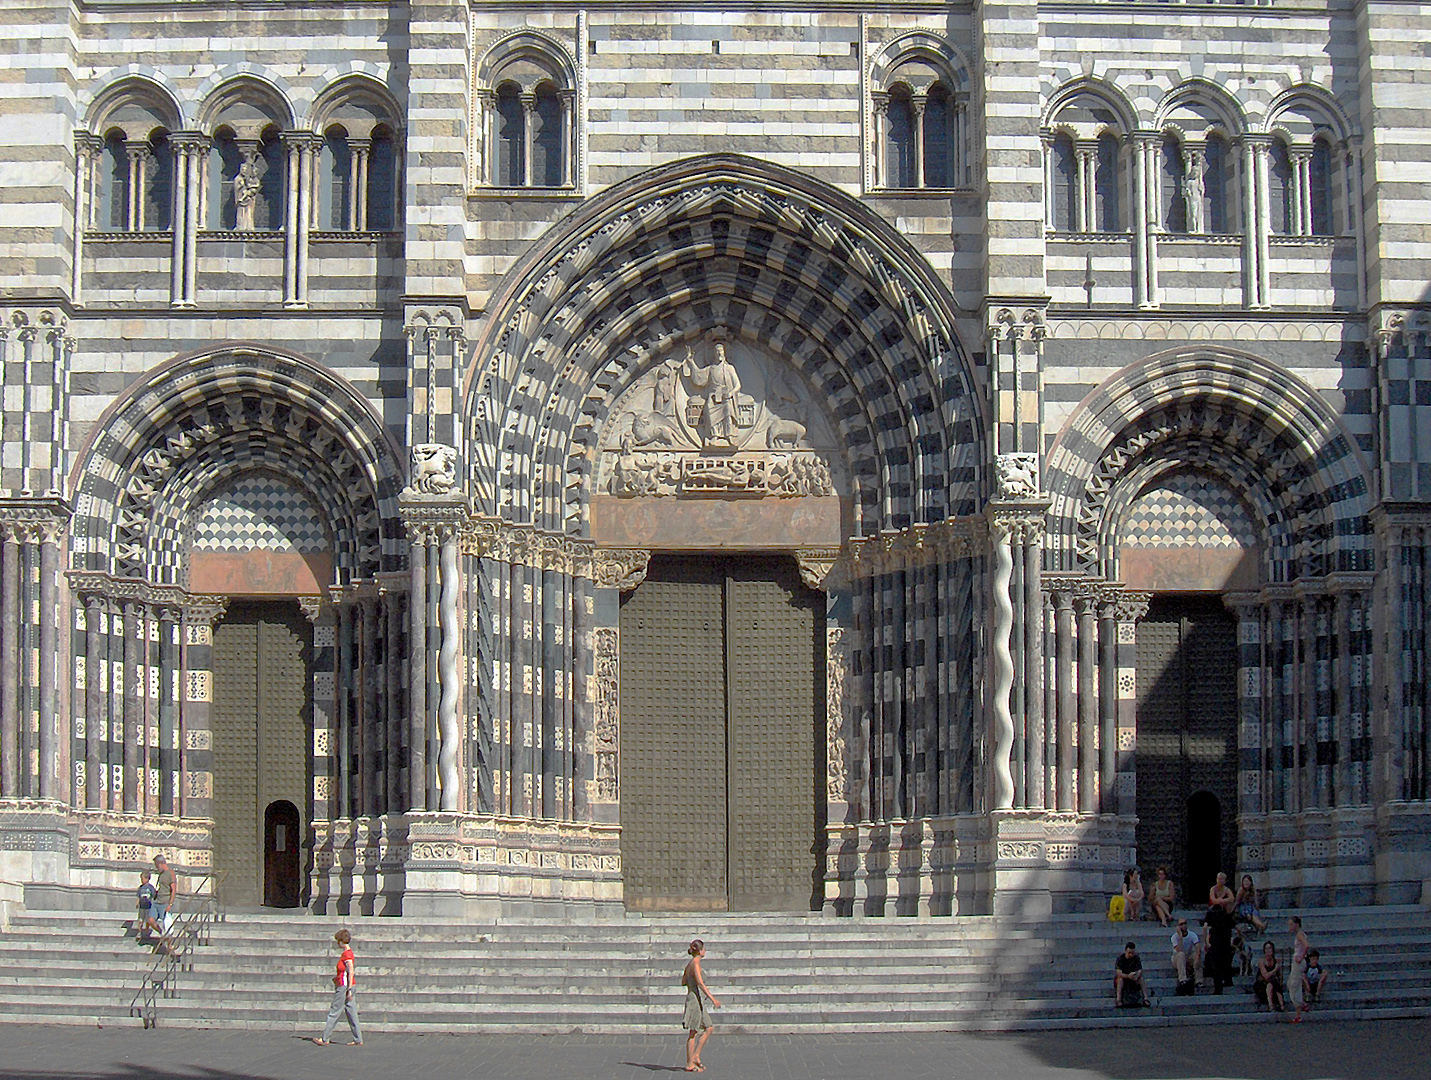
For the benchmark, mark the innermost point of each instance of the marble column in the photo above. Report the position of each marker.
(1087, 705)
(49, 701)
(1108, 701)
(448, 675)
(1034, 774)
(370, 730)
(133, 710)
(417, 671)
(96, 663)
(1067, 710)
(11, 672)
(168, 709)
(343, 751)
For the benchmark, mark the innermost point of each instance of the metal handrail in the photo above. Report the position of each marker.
(176, 948)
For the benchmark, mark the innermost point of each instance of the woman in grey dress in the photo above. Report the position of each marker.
(697, 1020)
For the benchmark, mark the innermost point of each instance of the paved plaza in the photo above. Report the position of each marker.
(1386, 1050)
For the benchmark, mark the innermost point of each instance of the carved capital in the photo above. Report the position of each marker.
(620, 568)
(312, 607)
(1132, 606)
(816, 564)
(204, 610)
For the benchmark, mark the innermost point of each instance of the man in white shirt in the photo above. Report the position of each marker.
(1187, 952)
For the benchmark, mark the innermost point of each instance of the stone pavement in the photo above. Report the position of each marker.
(1387, 1050)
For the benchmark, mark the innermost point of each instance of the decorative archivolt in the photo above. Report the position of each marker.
(1269, 435)
(137, 105)
(723, 244)
(197, 423)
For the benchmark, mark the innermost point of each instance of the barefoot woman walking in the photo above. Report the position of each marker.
(696, 1019)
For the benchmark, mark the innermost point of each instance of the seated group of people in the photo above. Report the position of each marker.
(1242, 905)
(1217, 947)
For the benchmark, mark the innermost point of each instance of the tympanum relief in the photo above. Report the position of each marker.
(717, 419)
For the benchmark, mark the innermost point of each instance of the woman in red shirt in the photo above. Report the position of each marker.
(343, 1001)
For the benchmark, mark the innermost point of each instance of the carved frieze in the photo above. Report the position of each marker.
(730, 421)
(836, 707)
(606, 712)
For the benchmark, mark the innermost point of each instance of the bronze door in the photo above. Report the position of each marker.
(262, 723)
(1187, 741)
(721, 692)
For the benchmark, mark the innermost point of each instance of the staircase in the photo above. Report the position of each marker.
(784, 973)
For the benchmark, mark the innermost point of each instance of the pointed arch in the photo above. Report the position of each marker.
(1285, 438)
(733, 244)
(159, 451)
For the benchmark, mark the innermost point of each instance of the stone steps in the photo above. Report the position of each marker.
(776, 973)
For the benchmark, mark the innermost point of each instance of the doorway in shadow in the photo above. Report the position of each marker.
(1187, 740)
(282, 886)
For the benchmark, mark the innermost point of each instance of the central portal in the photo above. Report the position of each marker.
(722, 676)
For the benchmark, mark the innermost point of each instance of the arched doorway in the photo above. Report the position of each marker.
(1187, 739)
(263, 722)
(282, 885)
(1203, 844)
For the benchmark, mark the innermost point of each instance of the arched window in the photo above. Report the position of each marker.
(382, 183)
(1281, 189)
(115, 183)
(1065, 188)
(1105, 184)
(937, 128)
(224, 164)
(336, 190)
(548, 155)
(899, 141)
(1214, 185)
(268, 214)
(158, 185)
(1321, 181)
(1172, 175)
(511, 138)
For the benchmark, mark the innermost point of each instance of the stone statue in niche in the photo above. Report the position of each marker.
(434, 470)
(246, 187)
(1193, 169)
(1017, 476)
(717, 421)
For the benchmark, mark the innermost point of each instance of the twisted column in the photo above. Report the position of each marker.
(448, 731)
(1002, 673)
(417, 673)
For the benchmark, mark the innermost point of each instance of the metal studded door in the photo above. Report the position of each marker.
(771, 665)
(263, 710)
(721, 684)
(1187, 739)
(673, 783)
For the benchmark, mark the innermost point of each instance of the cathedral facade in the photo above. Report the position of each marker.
(903, 459)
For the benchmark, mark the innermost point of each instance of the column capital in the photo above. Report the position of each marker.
(204, 610)
(1132, 606)
(620, 568)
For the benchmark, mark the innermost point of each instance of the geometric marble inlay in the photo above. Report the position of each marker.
(1190, 509)
(260, 513)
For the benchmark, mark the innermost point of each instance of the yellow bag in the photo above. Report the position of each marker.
(1116, 906)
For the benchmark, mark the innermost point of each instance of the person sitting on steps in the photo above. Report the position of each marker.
(1128, 978)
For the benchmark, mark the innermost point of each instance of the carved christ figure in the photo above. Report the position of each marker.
(721, 383)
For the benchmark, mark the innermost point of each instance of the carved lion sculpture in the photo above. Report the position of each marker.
(652, 429)
(1017, 475)
(434, 469)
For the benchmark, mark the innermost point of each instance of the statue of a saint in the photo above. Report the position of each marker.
(246, 188)
(721, 383)
(1193, 170)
